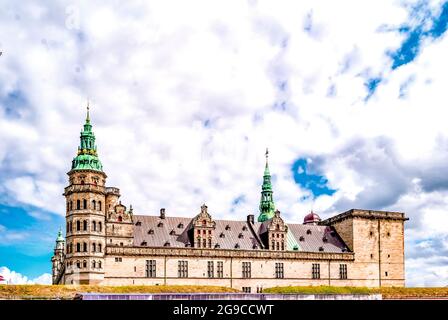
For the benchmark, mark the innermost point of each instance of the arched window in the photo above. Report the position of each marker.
(93, 264)
(93, 247)
(78, 225)
(71, 226)
(99, 206)
(204, 243)
(85, 204)
(99, 226)
(273, 245)
(283, 246)
(199, 242)
(68, 206)
(94, 225)
(99, 264)
(278, 246)
(84, 225)
(204, 222)
(209, 243)
(78, 264)
(99, 247)
(85, 247)
(78, 247)
(71, 247)
(78, 204)
(71, 205)
(93, 204)
(277, 227)
(84, 264)
(68, 226)
(120, 219)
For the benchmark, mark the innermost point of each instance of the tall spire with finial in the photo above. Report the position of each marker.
(87, 158)
(267, 206)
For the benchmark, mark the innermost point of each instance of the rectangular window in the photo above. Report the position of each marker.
(246, 289)
(118, 259)
(246, 269)
(316, 271)
(342, 271)
(279, 270)
(183, 269)
(150, 268)
(220, 270)
(210, 271)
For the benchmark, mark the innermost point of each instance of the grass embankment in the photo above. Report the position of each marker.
(387, 293)
(69, 291)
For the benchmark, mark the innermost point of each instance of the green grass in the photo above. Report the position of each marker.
(69, 291)
(387, 293)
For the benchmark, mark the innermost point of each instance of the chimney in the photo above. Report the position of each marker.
(250, 218)
(162, 213)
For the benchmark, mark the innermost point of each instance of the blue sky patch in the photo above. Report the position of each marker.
(371, 84)
(309, 180)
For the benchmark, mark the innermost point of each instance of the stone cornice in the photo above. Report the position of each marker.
(365, 214)
(225, 253)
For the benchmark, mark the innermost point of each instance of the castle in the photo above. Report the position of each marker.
(107, 244)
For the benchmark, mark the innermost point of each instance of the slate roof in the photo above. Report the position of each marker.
(231, 234)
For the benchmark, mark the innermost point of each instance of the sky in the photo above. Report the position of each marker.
(349, 96)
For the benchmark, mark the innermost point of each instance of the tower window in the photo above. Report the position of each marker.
(99, 264)
(78, 204)
(315, 271)
(71, 205)
(85, 204)
(94, 225)
(246, 270)
(84, 264)
(99, 206)
(100, 226)
(342, 271)
(78, 247)
(279, 270)
(93, 204)
(99, 247)
(78, 225)
(120, 219)
(84, 225)
(93, 247)
(78, 264)
(85, 247)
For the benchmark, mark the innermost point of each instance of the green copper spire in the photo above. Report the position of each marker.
(87, 158)
(60, 238)
(267, 207)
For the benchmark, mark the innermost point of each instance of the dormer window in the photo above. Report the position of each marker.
(160, 224)
(227, 227)
(308, 231)
(244, 228)
(255, 246)
(222, 235)
(240, 235)
(324, 239)
(333, 234)
(217, 246)
(172, 232)
(321, 248)
(301, 238)
(180, 225)
(144, 243)
(237, 246)
(188, 244)
(138, 223)
(150, 231)
(167, 244)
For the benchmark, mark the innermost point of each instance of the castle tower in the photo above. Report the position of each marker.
(58, 258)
(267, 207)
(85, 214)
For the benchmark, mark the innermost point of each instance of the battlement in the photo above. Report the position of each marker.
(366, 214)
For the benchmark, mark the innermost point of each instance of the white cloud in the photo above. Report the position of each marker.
(156, 76)
(12, 277)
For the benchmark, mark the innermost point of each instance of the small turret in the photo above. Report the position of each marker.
(58, 257)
